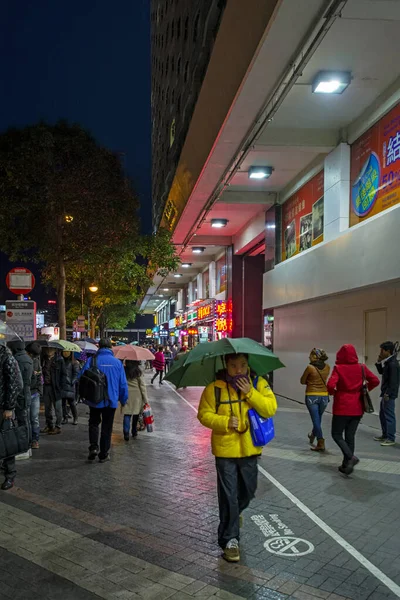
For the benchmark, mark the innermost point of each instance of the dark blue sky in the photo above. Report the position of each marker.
(86, 61)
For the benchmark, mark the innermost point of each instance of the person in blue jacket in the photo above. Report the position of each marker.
(104, 412)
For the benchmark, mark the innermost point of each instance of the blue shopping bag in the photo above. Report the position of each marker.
(262, 430)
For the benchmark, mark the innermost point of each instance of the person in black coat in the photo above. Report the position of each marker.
(11, 387)
(54, 374)
(69, 391)
(34, 350)
(388, 367)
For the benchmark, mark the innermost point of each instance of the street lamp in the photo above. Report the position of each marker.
(93, 288)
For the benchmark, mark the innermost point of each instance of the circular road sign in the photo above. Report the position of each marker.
(289, 546)
(20, 281)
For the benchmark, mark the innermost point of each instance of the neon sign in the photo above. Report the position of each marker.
(192, 331)
(223, 317)
(203, 312)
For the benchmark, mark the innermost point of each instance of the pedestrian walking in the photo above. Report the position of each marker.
(388, 367)
(345, 384)
(34, 350)
(11, 386)
(103, 413)
(168, 358)
(223, 408)
(315, 377)
(69, 391)
(159, 364)
(137, 398)
(54, 374)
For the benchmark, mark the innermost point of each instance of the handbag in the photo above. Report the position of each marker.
(14, 438)
(366, 401)
(262, 430)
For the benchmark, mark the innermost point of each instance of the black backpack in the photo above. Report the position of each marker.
(93, 385)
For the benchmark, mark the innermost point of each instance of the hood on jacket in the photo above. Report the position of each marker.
(347, 355)
(34, 348)
(16, 346)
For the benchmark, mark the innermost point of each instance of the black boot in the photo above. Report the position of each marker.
(7, 484)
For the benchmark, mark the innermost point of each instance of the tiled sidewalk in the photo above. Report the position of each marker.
(144, 524)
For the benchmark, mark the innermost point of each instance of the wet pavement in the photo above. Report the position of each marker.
(144, 524)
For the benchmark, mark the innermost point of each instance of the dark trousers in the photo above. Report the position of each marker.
(72, 404)
(9, 468)
(387, 417)
(105, 416)
(347, 425)
(160, 373)
(50, 399)
(237, 485)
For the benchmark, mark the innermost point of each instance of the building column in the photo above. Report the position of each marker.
(245, 288)
(191, 293)
(213, 279)
(200, 289)
(336, 192)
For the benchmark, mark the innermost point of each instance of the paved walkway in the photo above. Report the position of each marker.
(144, 524)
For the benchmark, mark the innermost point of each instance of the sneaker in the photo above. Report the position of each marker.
(64, 421)
(75, 422)
(35, 445)
(7, 484)
(231, 552)
(106, 459)
(388, 443)
(55, 431)
(46, 429)
(92, 455)
(380, 438)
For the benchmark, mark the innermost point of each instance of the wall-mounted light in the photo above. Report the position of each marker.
(260, 172)
(186, 265)
(331, 82)
(271, 226)
(219, 223)
(198, 249)
(178, 275)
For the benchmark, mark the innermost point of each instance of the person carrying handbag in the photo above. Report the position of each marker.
(11, 386)
(315, 377)
(346, 384)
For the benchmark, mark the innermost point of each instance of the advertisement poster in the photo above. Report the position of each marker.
(375, 169)
(303, 218)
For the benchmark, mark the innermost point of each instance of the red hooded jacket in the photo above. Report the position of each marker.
(345, 383)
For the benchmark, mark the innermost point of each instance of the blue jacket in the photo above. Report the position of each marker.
(116, 379)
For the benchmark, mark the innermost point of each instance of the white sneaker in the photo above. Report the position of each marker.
(24, 456)
(232, 544)
(231, 552)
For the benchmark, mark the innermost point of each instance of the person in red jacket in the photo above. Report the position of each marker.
(159, 364)
(345, 384)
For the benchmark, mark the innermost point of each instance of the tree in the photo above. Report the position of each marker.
(122, 278)
(65, 202)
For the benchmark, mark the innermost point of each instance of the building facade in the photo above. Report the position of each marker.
(182, 38)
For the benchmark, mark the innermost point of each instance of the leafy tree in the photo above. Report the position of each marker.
(65, 202)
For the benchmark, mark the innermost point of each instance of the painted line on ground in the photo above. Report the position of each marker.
(389, 583)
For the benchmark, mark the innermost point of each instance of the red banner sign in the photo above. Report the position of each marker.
(375, 169)
(303, 218)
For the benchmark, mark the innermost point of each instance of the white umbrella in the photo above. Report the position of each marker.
(7, 334)
(87, 346)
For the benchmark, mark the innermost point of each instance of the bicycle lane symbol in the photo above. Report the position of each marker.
(289, 546)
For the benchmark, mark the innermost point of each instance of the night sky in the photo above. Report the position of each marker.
(87, 62)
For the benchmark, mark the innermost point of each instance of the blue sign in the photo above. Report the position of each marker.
(365, 189)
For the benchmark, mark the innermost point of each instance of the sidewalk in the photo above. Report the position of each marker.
(144, 524)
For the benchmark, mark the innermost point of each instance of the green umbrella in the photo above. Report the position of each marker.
(200, 366)
(68, 346)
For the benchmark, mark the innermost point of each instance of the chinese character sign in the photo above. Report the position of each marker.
(303, 218)
(223, 318)
(204, 312)
(375, 169)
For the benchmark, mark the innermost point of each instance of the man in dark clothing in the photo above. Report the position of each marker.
(34, 349)
(388, 367)
(10, 388)
(54, 375)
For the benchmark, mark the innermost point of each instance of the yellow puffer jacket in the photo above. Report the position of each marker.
(226, 442)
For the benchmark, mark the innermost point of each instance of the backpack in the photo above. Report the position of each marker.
(93, 387)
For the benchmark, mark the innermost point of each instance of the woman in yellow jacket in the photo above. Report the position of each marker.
(223, 408)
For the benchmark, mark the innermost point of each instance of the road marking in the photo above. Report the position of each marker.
(324, 526)
(334, 535)
(289, 546)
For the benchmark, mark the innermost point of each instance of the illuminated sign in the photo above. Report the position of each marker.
(149, 332)
(51, 301)
(192, 331)
(223, 317)
(204, 312)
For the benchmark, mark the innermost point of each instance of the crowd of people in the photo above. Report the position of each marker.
(30, 373)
